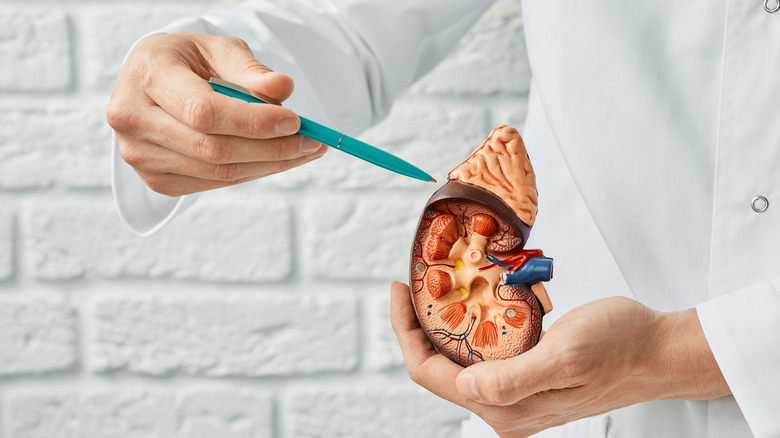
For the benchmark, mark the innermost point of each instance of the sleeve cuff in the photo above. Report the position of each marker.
(143, 210)
(743, 332)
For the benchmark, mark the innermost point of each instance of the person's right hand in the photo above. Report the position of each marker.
(182, 137)
(598, 357)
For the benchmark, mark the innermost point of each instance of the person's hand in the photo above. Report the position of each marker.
(598, 357)
(182, 137)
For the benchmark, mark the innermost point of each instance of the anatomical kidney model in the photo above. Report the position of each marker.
(477, 292)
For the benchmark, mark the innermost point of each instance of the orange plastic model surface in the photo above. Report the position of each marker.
(477, 292)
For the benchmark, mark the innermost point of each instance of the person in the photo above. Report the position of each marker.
(652, 128)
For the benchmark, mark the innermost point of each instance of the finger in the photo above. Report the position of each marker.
(191, 100)
(504, 382)
(179, 185)
(426, 367)
(222, 149)
(181, 182)
(234, 61)
(152, 158)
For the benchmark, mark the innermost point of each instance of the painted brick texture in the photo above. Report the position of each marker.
(373, 225)
(35, 50)
(134, 413)
(379, 412)
(236, 242)
(262, 310)
(37, 334)
(276, 335)
(7, 252)
(35, 143)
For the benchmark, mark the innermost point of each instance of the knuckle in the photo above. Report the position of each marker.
(250, 65)
(226, 172)
(232, 42)
(139, 67)
(414, 374)
(198, 113)
(212, 149)
(131, 154)
(278, 150)
(256, 127)
(119, 118)
(501, 389)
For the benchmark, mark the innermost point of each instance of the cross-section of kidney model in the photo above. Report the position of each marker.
(477, 292)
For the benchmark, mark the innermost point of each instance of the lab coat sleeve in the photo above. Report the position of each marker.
(349, 59)
(743, 331)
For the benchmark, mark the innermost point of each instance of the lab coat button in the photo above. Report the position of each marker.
(759, 204)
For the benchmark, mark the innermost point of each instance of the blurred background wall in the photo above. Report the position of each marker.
(263, 311)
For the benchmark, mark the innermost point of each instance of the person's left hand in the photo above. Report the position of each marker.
(596, 358)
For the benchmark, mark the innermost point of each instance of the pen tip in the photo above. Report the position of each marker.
(433, 180)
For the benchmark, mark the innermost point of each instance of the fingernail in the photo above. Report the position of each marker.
(467, 385)
(308, 145)
(287, 126)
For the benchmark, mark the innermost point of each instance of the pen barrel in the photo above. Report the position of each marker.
(381, 158)
(332, 138)
(318, 132)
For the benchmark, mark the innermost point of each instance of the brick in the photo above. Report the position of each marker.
(41, 148)
(222, 336)
(360, 237)
(382, 352)
(7, 251)
(491, 59)
(110, 33)
(215, 241)
(37, 335)
(395, 410)
(231, 413)
(430, 135)
(34, 50)
(121, 413)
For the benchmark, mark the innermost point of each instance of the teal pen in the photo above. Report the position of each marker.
(331, 137)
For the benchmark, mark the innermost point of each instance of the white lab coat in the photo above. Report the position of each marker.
(652, 126)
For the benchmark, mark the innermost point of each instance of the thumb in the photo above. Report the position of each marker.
(505, 382)
(235, 62)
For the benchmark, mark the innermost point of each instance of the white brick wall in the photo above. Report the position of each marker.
(35, 49)
(263, 311)
(37, 141)
(122, 412)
